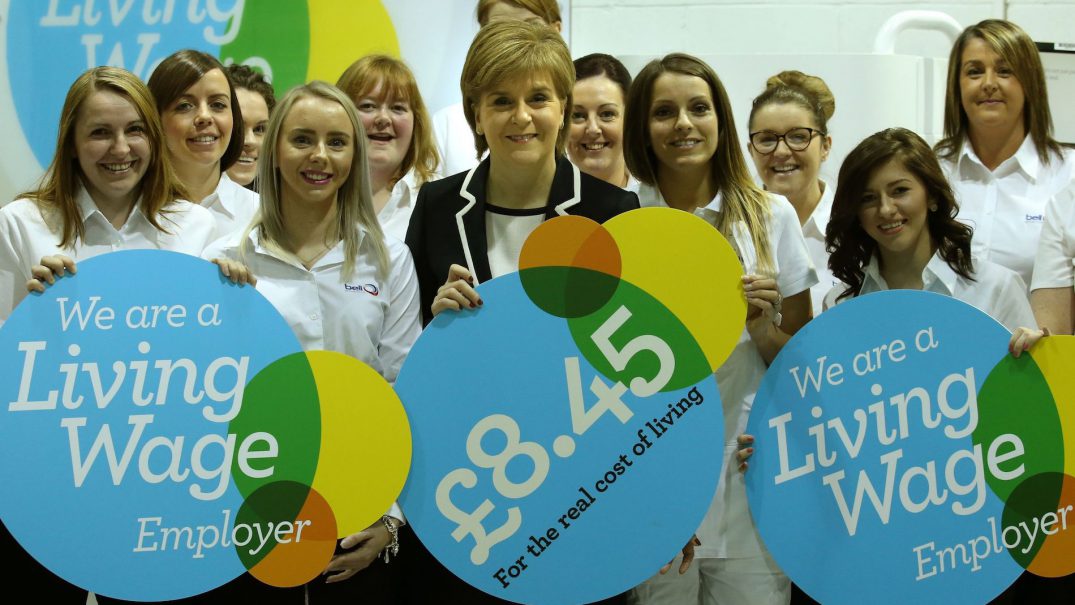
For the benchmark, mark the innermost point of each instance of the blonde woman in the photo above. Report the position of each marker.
(322, 260)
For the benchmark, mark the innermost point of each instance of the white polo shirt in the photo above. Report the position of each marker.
(1006, 206)
(396, 214)
(373, 320)
(1053, 265)
(27, 235)
(728, 530)
(233, 206)
(997, 290)
(814, 234)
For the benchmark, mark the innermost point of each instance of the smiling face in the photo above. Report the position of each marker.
(785, 171)
(314, 151)
(893, 213)
(111, 147)
(595, 141)
(389, 124)
(255, 114)
(991, 94)
(520, 119)
(197, 125)
(683, 125)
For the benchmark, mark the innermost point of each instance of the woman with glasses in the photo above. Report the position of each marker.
(998, 150)
(681, 143)
(788, 142)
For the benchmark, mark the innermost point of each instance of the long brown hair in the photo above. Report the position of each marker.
(178, 72)
(57, 193)
(742, 200)
(850, 247)
(1015, 47)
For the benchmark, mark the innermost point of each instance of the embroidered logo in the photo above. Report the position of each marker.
(1035, 218)
(370, 289)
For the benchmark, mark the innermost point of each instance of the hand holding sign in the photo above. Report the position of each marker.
(916, 451)
(175, 435)
(587, 380)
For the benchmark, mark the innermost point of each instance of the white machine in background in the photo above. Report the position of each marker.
(873, 91)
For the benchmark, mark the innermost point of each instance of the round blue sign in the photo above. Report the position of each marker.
(116, 430)
(870, 480)
(537, 477)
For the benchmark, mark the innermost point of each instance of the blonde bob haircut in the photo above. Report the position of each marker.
(510, 49)
(742, 201)
(397, 82)
(354, 201)
(57, 192)
(1015, 48)
(548, 10)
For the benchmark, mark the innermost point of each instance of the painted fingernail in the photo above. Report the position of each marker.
(480, 302)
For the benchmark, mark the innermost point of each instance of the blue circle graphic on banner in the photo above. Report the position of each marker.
(118, 455)
(539, 479)
(50, 43)
(868, 483)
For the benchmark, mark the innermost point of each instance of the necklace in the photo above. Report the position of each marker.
(309, 260)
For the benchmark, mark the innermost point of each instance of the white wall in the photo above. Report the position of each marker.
(707, 27)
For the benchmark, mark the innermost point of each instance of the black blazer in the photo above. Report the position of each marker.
(448, 223)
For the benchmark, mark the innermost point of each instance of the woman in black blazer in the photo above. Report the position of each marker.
(469, 228)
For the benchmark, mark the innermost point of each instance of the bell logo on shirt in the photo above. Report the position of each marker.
(1035, 218)
(370, 289)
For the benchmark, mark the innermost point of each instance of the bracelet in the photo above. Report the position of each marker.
(392, 549)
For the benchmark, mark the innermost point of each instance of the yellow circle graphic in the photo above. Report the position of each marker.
(341, 32)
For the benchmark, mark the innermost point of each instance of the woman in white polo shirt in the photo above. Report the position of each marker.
(1052, 295)
(681, 143)
(789, 140)
(893, 226)
(203, 126)
(998, 150)
(399, 136)
(323, 261)
(109, 187)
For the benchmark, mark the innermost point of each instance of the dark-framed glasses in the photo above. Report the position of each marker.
(797, 139)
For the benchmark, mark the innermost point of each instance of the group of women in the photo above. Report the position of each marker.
(344, 173)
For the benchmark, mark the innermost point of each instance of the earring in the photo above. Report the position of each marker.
(933, 207)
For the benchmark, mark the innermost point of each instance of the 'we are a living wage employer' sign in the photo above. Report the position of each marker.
(161, 432)
(904, 456)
